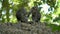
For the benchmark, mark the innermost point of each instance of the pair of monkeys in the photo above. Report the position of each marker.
(22, 15)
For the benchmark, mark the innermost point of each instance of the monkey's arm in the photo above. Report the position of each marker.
(29, 13)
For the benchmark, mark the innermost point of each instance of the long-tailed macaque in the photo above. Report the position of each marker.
(21, 15)
(36, 16)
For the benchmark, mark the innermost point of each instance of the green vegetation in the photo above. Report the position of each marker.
(50, 10)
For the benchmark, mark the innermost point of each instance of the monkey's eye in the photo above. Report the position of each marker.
(35, 8)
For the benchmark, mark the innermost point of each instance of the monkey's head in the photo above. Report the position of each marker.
(34, 9)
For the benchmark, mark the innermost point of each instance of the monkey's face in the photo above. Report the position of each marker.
(35, 9)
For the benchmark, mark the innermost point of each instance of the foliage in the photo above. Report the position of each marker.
(8, 10)
(54, 27)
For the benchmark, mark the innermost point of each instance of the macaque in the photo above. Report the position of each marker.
(35, 14)
(21, 15)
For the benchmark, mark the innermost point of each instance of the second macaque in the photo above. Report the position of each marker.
(36, 16)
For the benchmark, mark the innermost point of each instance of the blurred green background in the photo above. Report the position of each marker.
(50, 10)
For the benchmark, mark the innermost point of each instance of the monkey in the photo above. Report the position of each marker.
(36, 16)
(21, 15)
